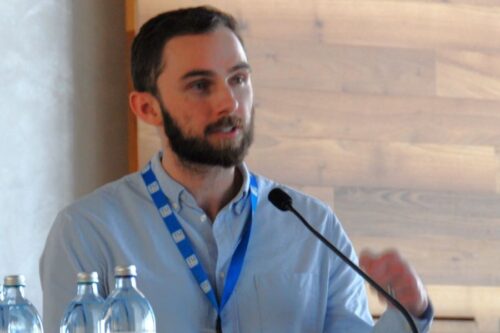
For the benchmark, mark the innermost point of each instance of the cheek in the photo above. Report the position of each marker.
(245, 99)
(189, 124)
(195, 123)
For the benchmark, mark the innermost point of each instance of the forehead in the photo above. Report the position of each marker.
(217, 50)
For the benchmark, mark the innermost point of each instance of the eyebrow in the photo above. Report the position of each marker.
(205, 72)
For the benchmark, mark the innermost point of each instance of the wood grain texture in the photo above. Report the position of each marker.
(497, 151)
(483, 3)
(468, 74)
(454, 326)
(343, 68)
(474, 308)
(409, 24)
(133, 142)
(419, 223)
(303, 113)
(397, 165)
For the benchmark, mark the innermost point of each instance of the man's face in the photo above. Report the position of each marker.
(206, 97)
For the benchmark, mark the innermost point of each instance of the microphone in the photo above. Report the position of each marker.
(281, 200)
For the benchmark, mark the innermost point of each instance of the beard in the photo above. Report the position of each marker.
(196, 150)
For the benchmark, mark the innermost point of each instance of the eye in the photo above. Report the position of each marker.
(239, 79)
(200, 86)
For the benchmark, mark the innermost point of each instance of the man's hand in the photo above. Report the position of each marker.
(397, 277)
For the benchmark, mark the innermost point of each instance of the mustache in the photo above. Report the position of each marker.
(224, 122)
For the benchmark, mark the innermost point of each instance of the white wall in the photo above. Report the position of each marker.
(63, 117)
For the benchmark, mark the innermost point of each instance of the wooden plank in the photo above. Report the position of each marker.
(476, 308)
(422, 224)
(473, 214)
(464, 314)
(133, 148)
(441, 259)
(312, 114)
(462, 301)
(317, 162)
(454, 326)
(294, 20)
(342, 68)
(130, 15)
(497, 152)
(468, 74)
(256, 18)
(409, 24)
(493, 3)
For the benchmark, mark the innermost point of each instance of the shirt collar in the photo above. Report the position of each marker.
(177, 194)
(172, 189)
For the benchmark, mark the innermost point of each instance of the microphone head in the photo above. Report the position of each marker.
(280, 199)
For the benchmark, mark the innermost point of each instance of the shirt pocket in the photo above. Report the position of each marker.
(290, 302)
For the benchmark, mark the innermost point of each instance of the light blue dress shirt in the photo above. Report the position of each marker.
(289, 283)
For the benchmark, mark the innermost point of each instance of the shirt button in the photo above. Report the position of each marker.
(222, 275)
(203, 218)
(175, 205)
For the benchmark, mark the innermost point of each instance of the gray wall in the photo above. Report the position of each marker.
(63, 117)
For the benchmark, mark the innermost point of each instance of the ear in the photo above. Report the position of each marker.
(145, 106)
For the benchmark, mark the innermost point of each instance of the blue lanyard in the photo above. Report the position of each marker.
(184, 244)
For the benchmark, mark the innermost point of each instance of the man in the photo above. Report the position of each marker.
(212, 253)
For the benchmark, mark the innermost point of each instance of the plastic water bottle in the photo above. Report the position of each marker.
(3, 326)
(126, 310)
(19, 315)
(84, 311)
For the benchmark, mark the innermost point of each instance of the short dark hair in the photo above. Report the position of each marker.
(148, 45)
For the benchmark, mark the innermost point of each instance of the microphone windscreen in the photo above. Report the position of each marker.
(280, 199)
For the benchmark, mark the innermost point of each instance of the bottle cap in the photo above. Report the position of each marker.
(84, 277)
(14, 281)
(125, 270)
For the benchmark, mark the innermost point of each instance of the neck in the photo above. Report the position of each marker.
(211, 186)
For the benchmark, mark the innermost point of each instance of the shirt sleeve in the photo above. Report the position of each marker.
(347, 309)
(67, 251)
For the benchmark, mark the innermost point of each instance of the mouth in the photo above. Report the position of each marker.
(226, 127)
(226, 132)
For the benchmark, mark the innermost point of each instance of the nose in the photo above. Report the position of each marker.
(225, 100)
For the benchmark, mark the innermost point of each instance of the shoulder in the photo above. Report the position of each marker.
(304, 203)
(299, 198)
(103, 204)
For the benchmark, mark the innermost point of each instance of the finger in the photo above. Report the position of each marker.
(366, 259)
(392, 266)
(389, 270)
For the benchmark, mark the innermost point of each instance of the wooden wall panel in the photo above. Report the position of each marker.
(133, 146)
(378, 118)
(466, 74)
(455, 326)
(409, 24)
(497, 151)
(396, 165)
(389, 111)
(343, 68)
